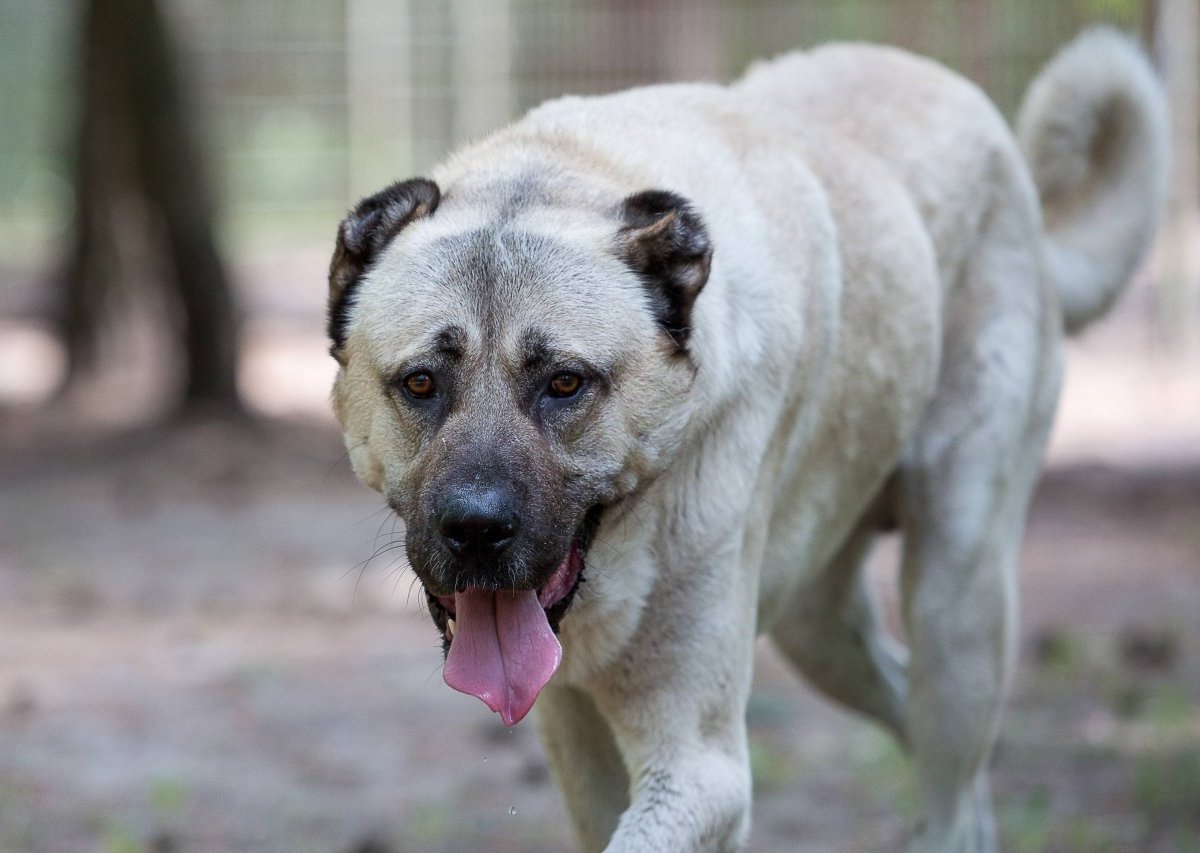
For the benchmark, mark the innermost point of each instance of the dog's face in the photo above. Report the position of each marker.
(502, 381)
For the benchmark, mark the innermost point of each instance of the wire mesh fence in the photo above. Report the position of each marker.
(308, 105)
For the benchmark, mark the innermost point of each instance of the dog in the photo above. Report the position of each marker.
(646, 374)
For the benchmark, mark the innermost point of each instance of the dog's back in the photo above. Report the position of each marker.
(1093, 137)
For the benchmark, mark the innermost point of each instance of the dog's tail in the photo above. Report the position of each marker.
(1094, 131)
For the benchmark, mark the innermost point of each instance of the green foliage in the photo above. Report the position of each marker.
(1169, 706)
(1167, 786)
(771, 767)
(1119, 9)
(168, 795)
(1187, 839)
(118, 838)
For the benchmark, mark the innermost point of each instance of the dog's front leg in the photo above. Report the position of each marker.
(586, 763)
(676, 708)
(697, 802)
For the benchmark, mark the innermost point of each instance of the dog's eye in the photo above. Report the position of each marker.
(419, 385)
(565, 385)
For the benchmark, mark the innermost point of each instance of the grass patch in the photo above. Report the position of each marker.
(16, 818)
(167, 796)
(431, 823)
(771, 767)
(1032, 827)
(884, 772)
(119, 838)
(1057, 650)
(1170, 706)
(1167, 787)
(1025, 827)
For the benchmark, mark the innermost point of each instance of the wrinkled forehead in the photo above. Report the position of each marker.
(498, 292)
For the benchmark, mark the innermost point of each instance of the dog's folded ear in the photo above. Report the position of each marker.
(362, 236)
(664, 240)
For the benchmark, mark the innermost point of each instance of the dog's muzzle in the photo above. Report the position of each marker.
(501, 645)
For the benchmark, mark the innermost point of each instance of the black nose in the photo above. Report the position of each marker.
(479, 524)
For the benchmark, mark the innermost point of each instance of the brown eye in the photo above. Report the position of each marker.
(565, 385)
(419, 385)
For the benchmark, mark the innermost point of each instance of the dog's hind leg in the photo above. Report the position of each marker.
(964, 487)
(833, 636)
(959, 588)
(585, 763)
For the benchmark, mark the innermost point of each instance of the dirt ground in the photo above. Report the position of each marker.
(210, 644)
(194, 660)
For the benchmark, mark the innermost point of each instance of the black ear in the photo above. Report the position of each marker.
(664, 240)
(363, 234)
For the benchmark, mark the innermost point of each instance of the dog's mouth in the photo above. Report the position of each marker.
(500, 645)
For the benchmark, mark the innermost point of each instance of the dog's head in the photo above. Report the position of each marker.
(508, 370)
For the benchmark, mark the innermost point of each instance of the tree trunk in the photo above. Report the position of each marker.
(134, 113)
(101, 169)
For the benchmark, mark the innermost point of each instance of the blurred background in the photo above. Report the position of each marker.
(210, 640)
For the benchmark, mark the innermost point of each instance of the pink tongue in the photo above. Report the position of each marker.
(503, 650)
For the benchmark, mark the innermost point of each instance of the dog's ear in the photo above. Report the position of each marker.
(664, 240)
(363, 234)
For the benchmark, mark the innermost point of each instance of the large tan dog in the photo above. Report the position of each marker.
(696, 345)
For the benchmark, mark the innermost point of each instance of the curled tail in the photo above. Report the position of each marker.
(1093, 127)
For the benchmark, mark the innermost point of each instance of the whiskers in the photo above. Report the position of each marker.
(337, 463)
(614, 544)
(393, 542)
